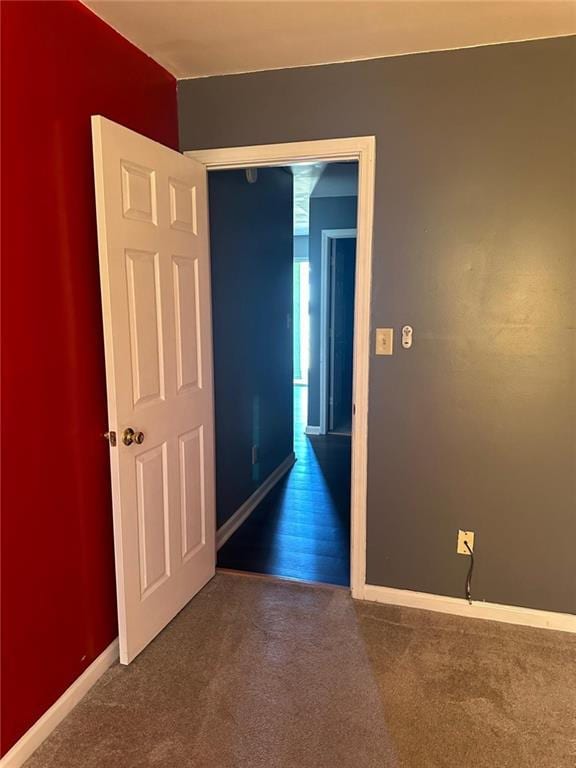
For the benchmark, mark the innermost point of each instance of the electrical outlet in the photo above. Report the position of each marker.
(468, 537)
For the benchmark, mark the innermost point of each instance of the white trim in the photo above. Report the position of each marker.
(509, 614)
(312, 431)
(363, 150)
(327, 235)
(243, 513)
(263, 155)
(43, 727)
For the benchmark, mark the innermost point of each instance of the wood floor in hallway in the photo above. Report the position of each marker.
(301, 529)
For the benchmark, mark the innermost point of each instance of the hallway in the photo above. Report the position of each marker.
(301, 530)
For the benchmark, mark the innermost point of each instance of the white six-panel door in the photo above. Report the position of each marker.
(155, 279)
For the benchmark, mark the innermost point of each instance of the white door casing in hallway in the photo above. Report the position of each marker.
(155, 282)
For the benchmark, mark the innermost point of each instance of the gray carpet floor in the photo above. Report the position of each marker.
(259, 673)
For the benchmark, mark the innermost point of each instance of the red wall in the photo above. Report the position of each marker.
(60, 64)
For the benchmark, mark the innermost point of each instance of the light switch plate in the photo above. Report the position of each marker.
(384, 341)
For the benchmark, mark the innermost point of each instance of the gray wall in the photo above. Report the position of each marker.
(251, 253)
(325, 213)
(474, 246)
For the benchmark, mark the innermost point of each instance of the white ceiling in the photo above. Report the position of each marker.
(195, 39)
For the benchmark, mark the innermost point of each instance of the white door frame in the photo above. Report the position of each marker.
(361, 149)
(327, 236)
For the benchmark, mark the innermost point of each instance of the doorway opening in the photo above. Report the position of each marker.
(317, 484)
(283, 323)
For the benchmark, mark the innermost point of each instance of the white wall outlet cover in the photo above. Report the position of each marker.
(384, 341)
(468, 537)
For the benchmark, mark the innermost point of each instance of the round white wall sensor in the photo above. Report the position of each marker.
(407, 336)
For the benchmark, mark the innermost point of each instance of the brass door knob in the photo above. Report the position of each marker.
(130, 436)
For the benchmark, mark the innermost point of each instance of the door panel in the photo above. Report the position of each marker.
(145, 326)
(188, 344)
(193, 508)
(183, 206)
(138, 193)
(153, 529)
(154, 267)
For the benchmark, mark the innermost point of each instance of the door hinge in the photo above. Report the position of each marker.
(111, 437)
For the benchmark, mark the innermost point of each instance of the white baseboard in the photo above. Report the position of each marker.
(243, 513)
(312, 431)
(43, 727)
(509, 614)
